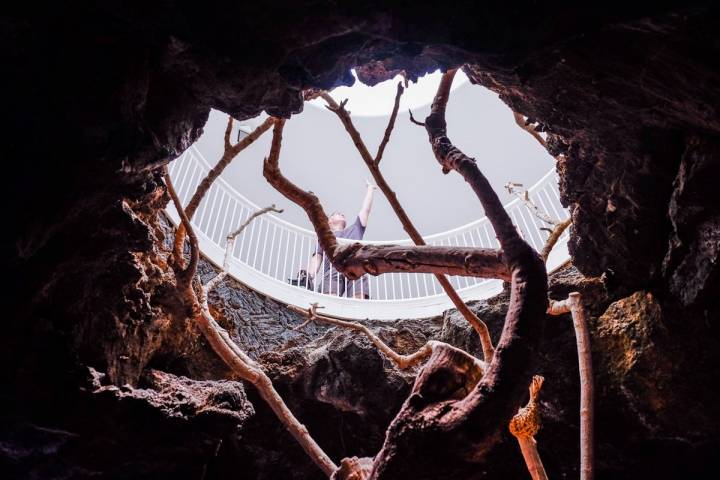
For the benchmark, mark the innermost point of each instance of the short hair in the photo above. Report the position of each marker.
(339, 213)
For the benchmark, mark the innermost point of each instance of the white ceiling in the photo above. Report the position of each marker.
(318, 155)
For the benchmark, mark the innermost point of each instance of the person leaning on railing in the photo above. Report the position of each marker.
(331, 281)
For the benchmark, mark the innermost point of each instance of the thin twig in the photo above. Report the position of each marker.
(390, 125)
(522, 123)
(229, 153)
(230, 244)
(518, 190)
(554, 237)
(401, 361)
(412, 119)
(186, 275)
(559, 226)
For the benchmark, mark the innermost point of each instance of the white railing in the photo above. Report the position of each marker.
(271, 251)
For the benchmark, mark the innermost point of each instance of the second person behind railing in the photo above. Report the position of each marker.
(331, 281)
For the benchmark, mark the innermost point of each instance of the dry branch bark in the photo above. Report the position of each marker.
(524, 426)
(575, 307)
(454, 428)
(522, 123)
(229, 153)
(373, 165)
(553, 238)
(559, 226)
(354, 260)
(240, 363)
(403, 362)
(230, 244)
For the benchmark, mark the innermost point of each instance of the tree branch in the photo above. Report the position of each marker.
(522, 123)
(229, 153)
(186, 275)
(390, 125)
(575, 307)
(559, 226)
(467, 427)
(230, 244)
(233, 356)
(354, 260)
(373, 165)
(524, 196)
(412, 119)
(554, 237)
(403, 362)
(524, 426)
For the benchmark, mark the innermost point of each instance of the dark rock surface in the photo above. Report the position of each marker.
(98, 96)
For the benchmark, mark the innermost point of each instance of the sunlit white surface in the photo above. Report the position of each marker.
(373, 101)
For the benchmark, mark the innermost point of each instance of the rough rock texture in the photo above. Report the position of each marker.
(170, 428)
(98, 96)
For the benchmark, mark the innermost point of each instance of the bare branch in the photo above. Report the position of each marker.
(522, 123)
(518, 190)
(403, 362)
(185, 276)
(373, 165)
(240, 363)
(229, 153)
(390, 125)
(524, 426)
(443, 425)
(554, 237)
(412, 119)
(250, 371)
(574, 306)
(355, 260)
(230, 244)
(559, 226)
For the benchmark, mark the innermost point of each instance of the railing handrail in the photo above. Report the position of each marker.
(311, 233)
(271, 252)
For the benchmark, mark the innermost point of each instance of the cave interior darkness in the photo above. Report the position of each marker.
(100, 378)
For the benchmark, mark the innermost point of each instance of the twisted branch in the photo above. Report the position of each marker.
(373, 165)
(469, 425)
(230, 244)
(355, 260)
(559, 226)
(403, 362)
(530, 128)
(238, 361)
(229, 153)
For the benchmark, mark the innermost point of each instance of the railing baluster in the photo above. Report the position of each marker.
(246, 234)
(263, 242)
(280, 254)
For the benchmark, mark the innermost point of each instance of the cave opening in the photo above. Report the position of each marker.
(108, 373)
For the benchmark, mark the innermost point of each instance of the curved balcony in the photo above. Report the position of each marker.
(269, 253)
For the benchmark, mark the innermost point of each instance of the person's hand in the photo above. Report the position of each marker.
(370, 186)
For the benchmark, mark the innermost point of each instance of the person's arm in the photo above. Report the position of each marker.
(367, 204)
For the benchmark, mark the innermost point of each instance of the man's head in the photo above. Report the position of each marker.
(337, 221)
